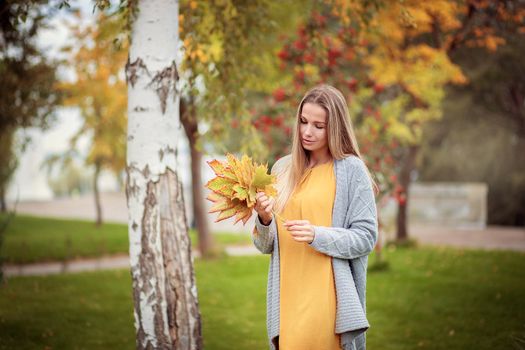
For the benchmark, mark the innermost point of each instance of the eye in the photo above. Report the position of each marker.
(302, 121)
(318, 126)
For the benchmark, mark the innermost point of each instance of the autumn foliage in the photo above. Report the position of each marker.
(235, 186)
(392, 62)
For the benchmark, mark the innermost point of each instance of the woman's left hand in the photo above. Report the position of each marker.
(301, 230)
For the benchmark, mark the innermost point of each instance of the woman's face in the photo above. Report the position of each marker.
(312, 127)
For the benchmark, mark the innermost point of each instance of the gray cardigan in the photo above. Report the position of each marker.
(351, 238)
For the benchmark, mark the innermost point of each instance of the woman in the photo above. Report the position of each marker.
(325, 227)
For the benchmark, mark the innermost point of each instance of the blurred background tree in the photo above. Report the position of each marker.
(219, 66)
(9, 163)
(395, 62)
(390, 95)
(28, 96)
(99, 91)
(486, 46)
(71, 180)
(246, 65)
(228, 50)
(481, 136)
(324, 50)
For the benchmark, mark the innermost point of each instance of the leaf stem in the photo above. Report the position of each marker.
(278, 216)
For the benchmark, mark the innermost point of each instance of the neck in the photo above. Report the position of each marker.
(319, 157)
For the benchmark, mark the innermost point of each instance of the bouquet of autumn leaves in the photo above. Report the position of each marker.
(235, 186)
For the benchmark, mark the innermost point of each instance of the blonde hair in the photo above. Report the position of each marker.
(341, 140)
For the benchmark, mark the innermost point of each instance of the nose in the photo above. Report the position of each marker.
(307, 130)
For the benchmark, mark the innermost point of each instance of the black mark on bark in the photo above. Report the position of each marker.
(166, 150)
(164, 83)
(133, 70)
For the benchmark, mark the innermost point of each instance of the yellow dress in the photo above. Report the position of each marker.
(307, 288)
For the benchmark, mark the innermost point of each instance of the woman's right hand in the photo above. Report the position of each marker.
(264, 207)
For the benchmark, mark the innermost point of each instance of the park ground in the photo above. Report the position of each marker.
(428, 297)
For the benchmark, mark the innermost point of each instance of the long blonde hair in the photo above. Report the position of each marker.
(341, 140)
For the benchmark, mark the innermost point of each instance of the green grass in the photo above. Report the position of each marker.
(428, 299)
(35, 239)
(78, 311)
(439, 298)
(94, 310)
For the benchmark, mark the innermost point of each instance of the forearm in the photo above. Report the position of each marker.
(263, 236)
(346, 243)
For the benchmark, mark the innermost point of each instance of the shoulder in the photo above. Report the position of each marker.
(353, 171)
(281, 164)
(353, 164)
(354, 179)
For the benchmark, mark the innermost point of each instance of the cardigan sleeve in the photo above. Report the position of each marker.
(263, 235)
(359, 234)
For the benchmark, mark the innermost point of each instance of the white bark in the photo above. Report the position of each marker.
(165, 295)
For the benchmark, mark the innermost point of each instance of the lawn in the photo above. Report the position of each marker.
(429, 299)
(35, 239)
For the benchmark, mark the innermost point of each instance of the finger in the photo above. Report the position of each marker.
(302, 239)
(301, 233)
(291, 228)
(297, 228)
(293, 222)
(297, 222)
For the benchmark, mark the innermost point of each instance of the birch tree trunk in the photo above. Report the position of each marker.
(164, 290)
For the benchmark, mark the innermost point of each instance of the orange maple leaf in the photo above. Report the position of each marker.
(235, 185)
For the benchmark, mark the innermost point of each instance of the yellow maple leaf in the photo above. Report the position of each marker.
(235, 186)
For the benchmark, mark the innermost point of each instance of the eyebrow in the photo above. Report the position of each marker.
(302, 116)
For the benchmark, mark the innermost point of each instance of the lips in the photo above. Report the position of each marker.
(307, 141)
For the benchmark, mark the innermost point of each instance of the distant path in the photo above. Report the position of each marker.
(120, 261)
(114, 205)
(53, 268)
(114, 209)
(493, 237)
(500, 238)
(81, 207)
